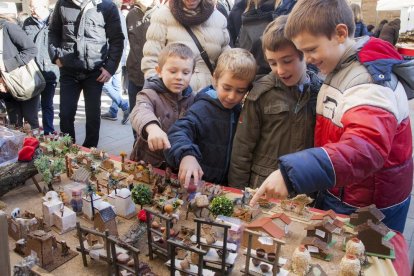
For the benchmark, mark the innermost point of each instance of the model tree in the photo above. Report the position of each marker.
(90, 190)
(49, 169)
(113, 182)
(66, 141)
(141, 194)
(221, 206)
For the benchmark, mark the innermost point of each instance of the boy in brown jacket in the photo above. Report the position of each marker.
(278, 115)
(163, 100)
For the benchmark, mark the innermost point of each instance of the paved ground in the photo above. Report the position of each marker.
(115, 137)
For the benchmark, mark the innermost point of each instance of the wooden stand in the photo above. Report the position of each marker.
(173, 244)
(225, 268)
(275, 263)
(153, 247)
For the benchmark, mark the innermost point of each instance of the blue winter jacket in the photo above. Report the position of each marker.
(205, 132)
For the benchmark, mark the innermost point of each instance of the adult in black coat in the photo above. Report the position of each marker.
(87, 50)
(36, 27)
(18, 50)
(391, 31)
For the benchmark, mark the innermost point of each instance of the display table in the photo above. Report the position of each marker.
(28, 198)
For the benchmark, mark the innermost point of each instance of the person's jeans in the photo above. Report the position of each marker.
(395, 216)
(113, 89)
(71, 85)
(133, 90)
(46, 102)
(19, 110)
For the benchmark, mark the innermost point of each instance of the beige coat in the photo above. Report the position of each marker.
(165, 29)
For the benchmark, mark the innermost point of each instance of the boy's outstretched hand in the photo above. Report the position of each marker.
(189, 167)
(273, 187)
(157, 138)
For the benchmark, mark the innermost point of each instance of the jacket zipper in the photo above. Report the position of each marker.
(228, 147)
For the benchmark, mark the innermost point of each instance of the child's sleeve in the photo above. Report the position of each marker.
(183, 136)
(362, 149)
(245, 140)
(143, 114)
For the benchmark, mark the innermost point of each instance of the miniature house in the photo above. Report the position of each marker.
(281, 220)
(338, 226)
(106, 219)
(108, 165)
(364, 214)
(87, 208)
(266, 226)
(316, 247)
(372, 236)
(111, 197)
(49, 207)
(64, 220)
(40, 243)
(124, 205)
(322, 230)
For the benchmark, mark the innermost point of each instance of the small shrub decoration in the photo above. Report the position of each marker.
(141, 194)
(221, 206)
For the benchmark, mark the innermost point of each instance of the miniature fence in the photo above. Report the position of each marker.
(110, 243)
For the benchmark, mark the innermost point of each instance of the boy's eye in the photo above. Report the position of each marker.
(287, 61)
(242, 91)
(173, 71)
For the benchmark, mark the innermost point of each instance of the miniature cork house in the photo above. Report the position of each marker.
(338, 226)
(40, 243)
(363, 214)
(282, 220)
(322, 230)
(266, 226)
(329, 216)
(372, 236)
(108, 165)
(316, 247)
(105, 219)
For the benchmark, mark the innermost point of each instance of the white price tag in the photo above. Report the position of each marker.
(313, 249)
(320, 233)
(265, 240)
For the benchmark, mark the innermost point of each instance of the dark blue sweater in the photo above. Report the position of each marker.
(205, 132)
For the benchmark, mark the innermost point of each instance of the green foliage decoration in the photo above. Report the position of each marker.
(221, 206)
(141, 194)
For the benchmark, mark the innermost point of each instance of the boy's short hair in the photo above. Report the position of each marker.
(274, 36)
(319, 17)
(175, 50)
(239, 62)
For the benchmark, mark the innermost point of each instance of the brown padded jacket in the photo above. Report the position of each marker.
(156, 104)
(275, 120)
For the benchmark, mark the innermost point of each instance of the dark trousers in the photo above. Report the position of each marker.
(133, 90)
(19, 110)
(46, 102)
(71, 85)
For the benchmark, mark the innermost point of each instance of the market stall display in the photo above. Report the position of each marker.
(216, 226)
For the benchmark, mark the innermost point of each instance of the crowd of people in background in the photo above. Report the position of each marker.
(188, 66)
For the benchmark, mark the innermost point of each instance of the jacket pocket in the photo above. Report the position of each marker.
(95, 54)
(274, 109)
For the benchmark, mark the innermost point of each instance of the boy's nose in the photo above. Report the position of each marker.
(280, 70)
(308, 59)
(231, 95)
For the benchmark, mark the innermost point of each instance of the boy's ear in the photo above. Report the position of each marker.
(341, 32)
(158, 69)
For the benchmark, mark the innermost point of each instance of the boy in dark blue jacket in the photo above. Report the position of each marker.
(201, 141)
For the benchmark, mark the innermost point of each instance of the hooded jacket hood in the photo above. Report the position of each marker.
(209, 94)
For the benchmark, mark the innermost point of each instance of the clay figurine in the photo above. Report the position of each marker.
(301, 260)
(76, 201)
